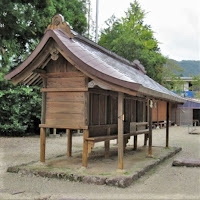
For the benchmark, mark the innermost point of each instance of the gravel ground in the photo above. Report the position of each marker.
(164, 182)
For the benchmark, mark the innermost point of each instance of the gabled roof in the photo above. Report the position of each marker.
(91, 59)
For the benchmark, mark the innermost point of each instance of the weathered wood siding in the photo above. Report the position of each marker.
(102, 112)
(65, 108)
(134, 111)
(159, 112)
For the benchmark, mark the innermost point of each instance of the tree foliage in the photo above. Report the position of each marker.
(172, 76)
(19, 109)
(130, 38)
(196, 85)
(22, 24)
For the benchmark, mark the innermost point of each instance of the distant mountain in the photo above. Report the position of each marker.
(190, 67)
(184, 68)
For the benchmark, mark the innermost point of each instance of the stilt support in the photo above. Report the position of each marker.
(150, 128)
(135, 143)
(107, 145)
(42, 144)
(85, 148)
(69, 142)
(120, 130)
(167, 126)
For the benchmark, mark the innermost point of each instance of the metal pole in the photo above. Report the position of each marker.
(89, 18)
(97, 16)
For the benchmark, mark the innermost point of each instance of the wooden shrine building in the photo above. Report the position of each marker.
(85, 86)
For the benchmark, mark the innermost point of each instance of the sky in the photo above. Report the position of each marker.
(176, 23)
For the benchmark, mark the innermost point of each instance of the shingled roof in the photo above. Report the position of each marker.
(91, 59)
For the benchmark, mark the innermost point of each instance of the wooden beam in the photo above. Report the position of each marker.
(64, 74)
(42, 144)
(69, 142)
(64, 89)
(150, 128)
(135, 143)
(35, 63)
(62, 126)
(145, 139)
(167, 126)
(85, 148)
(120, 130)
(39, 71)
(54, 131)
(107, 144)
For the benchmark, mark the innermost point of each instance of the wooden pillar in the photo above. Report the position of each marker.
(107, 145)
(145, 135)
(43, 109)
(135, 143)
(43, 130)
(167, 126)
(69, 142)
(42, 144)
(145, 139)
(54, 131)
(85, 148)
(157, 102)
(120, 130)
(150, 128)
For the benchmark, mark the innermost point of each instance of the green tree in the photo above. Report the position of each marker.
(19, 109)
(130, 38)
(196, 85)
(172, 73)
(22, 24)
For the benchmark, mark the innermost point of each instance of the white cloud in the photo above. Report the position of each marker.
(176, 23)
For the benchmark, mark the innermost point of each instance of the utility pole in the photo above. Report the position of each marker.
(97, 17)
(89, 18)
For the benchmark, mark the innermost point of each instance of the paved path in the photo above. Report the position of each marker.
(164, 182)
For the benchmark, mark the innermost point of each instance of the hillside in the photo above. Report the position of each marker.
(190, 67)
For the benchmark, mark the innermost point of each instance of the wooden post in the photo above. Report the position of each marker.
(120, 130)
(43, 109)
(135, 143)
(85, 148)
(157, 114)
(42, 144)
(150, 128)
(145, 135)
(167, 126)
(54, 131)
(43, 130)
(107, 145)
(69, 142)
(145, 139)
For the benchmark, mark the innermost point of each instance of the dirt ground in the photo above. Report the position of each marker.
(163, 182)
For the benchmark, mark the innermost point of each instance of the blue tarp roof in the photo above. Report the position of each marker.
(194, 104)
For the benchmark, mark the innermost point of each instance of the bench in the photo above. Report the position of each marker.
(135, 130)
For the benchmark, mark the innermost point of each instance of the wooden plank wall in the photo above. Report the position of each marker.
(62, 109)
(134, 111)
(104, 111)
(159, 112)
(65, 108)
